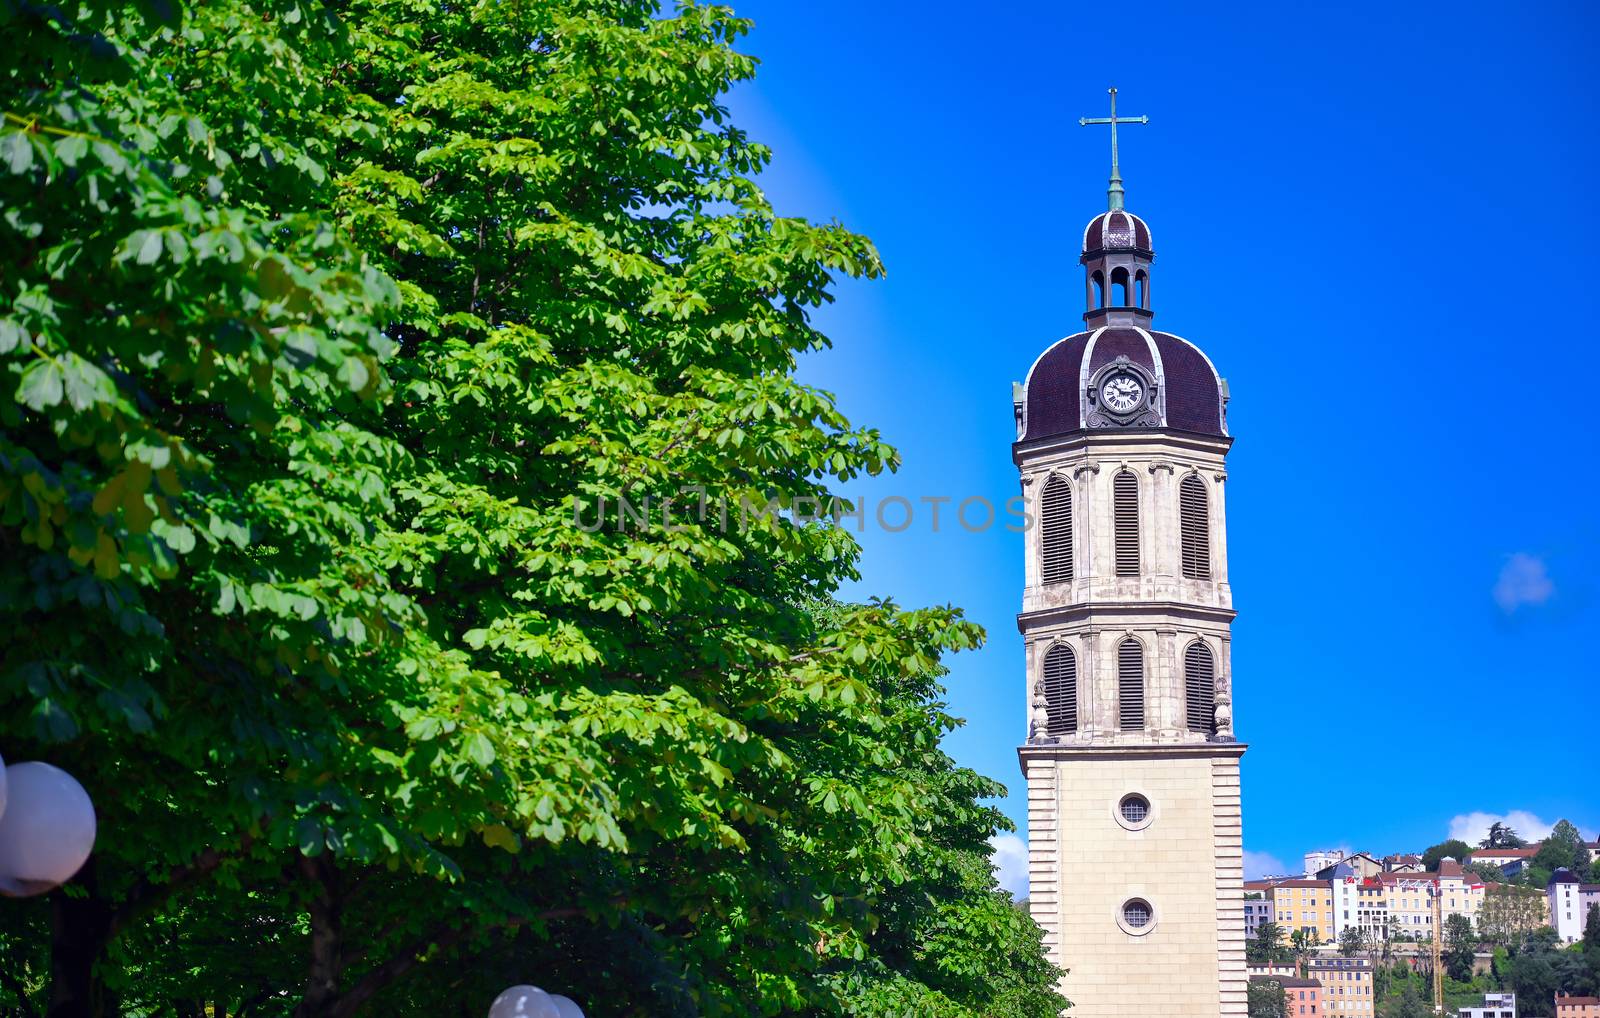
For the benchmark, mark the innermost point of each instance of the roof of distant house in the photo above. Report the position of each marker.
(1301, 883)
(1564, 876)
(1504, 853)
(1292, 981)
(1576, 1001)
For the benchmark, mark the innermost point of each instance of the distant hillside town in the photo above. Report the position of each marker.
(1503, 929)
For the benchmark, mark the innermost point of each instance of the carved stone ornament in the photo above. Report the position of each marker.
(1224, 718)
(1122, 395)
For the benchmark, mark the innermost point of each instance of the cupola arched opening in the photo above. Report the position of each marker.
(1097, 290)
(1141, 286)
(1119, 288)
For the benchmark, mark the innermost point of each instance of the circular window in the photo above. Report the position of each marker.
(1136, 917)
(1134, 808)
(1133, 811)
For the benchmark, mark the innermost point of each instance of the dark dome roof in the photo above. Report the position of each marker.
(1116, 231)
(1188, 391)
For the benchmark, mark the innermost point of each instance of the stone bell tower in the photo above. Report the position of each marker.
(1134, 829)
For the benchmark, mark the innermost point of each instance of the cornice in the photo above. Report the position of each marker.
(1104, 437)
(1210, 750)
(1090, 609)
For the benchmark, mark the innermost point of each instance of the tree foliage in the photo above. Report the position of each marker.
(1268, 999)
(1502, 835)
(1563, 848)
(1459, 945)
(338, 342)
(1511, 913)
(1268, 945)
(1352, 941)
(1454, 848)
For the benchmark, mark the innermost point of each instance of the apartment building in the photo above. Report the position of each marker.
(1565, 896)
(1495, 1005)
(1347, 986)
(1577, 1007)
(1257, 911)
(1410, 903)
(1372, 909)
(1304, 905)
(1305, 995)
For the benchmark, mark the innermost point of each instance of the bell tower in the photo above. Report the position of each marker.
(1132, 766)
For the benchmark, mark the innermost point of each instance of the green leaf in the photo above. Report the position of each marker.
(42, 385)
(479, 750)
(16, 151)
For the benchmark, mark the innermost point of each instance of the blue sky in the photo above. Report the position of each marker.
(1379, 224)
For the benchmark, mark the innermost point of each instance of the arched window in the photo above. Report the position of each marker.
(1130, 685)
(1119, 288)
(1098, 283)
(1061, 690)
(1055, 530)
(1125, 512)
(1194, 518)
(1141, 283)
(1200, 688)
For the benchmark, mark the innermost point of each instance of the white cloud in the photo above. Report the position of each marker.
(1523, 580)
(1261, 864)
(1008, 854)
(1474, 827)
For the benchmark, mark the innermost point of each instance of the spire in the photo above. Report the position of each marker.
(1114, 191)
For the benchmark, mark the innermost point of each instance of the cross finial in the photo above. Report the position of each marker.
(1114, 192)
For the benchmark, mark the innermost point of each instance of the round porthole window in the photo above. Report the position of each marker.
(1134, 808)
(1134, 811)
(1137, 917)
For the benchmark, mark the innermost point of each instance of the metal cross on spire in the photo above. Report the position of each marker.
(1114, 192)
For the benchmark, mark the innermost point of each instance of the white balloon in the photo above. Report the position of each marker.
(47, 830)
(524, 1002)
(567, 1007)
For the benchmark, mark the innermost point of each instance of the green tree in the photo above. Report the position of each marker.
(1501, 835)
(1489, 873)
(1351, 941)
(1454, 848)
(340, 349)
(1459, 944)
(1409, 1005)
(1563, 848)
(1510, 914)
(1591, 943)
(1268, 999)
(193, 588)
(1260, 947)
(1303, 942)
(1268, 945)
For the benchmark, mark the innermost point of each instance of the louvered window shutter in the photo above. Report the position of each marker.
(1195, 518)
(1200, 688)
(1130, 685)
(1061, 689)
(1056, 531)
(1125, 506)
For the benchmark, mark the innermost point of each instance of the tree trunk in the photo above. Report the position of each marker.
(80, 928)
(327, 953)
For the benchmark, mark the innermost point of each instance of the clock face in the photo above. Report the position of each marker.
(1121, 393)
